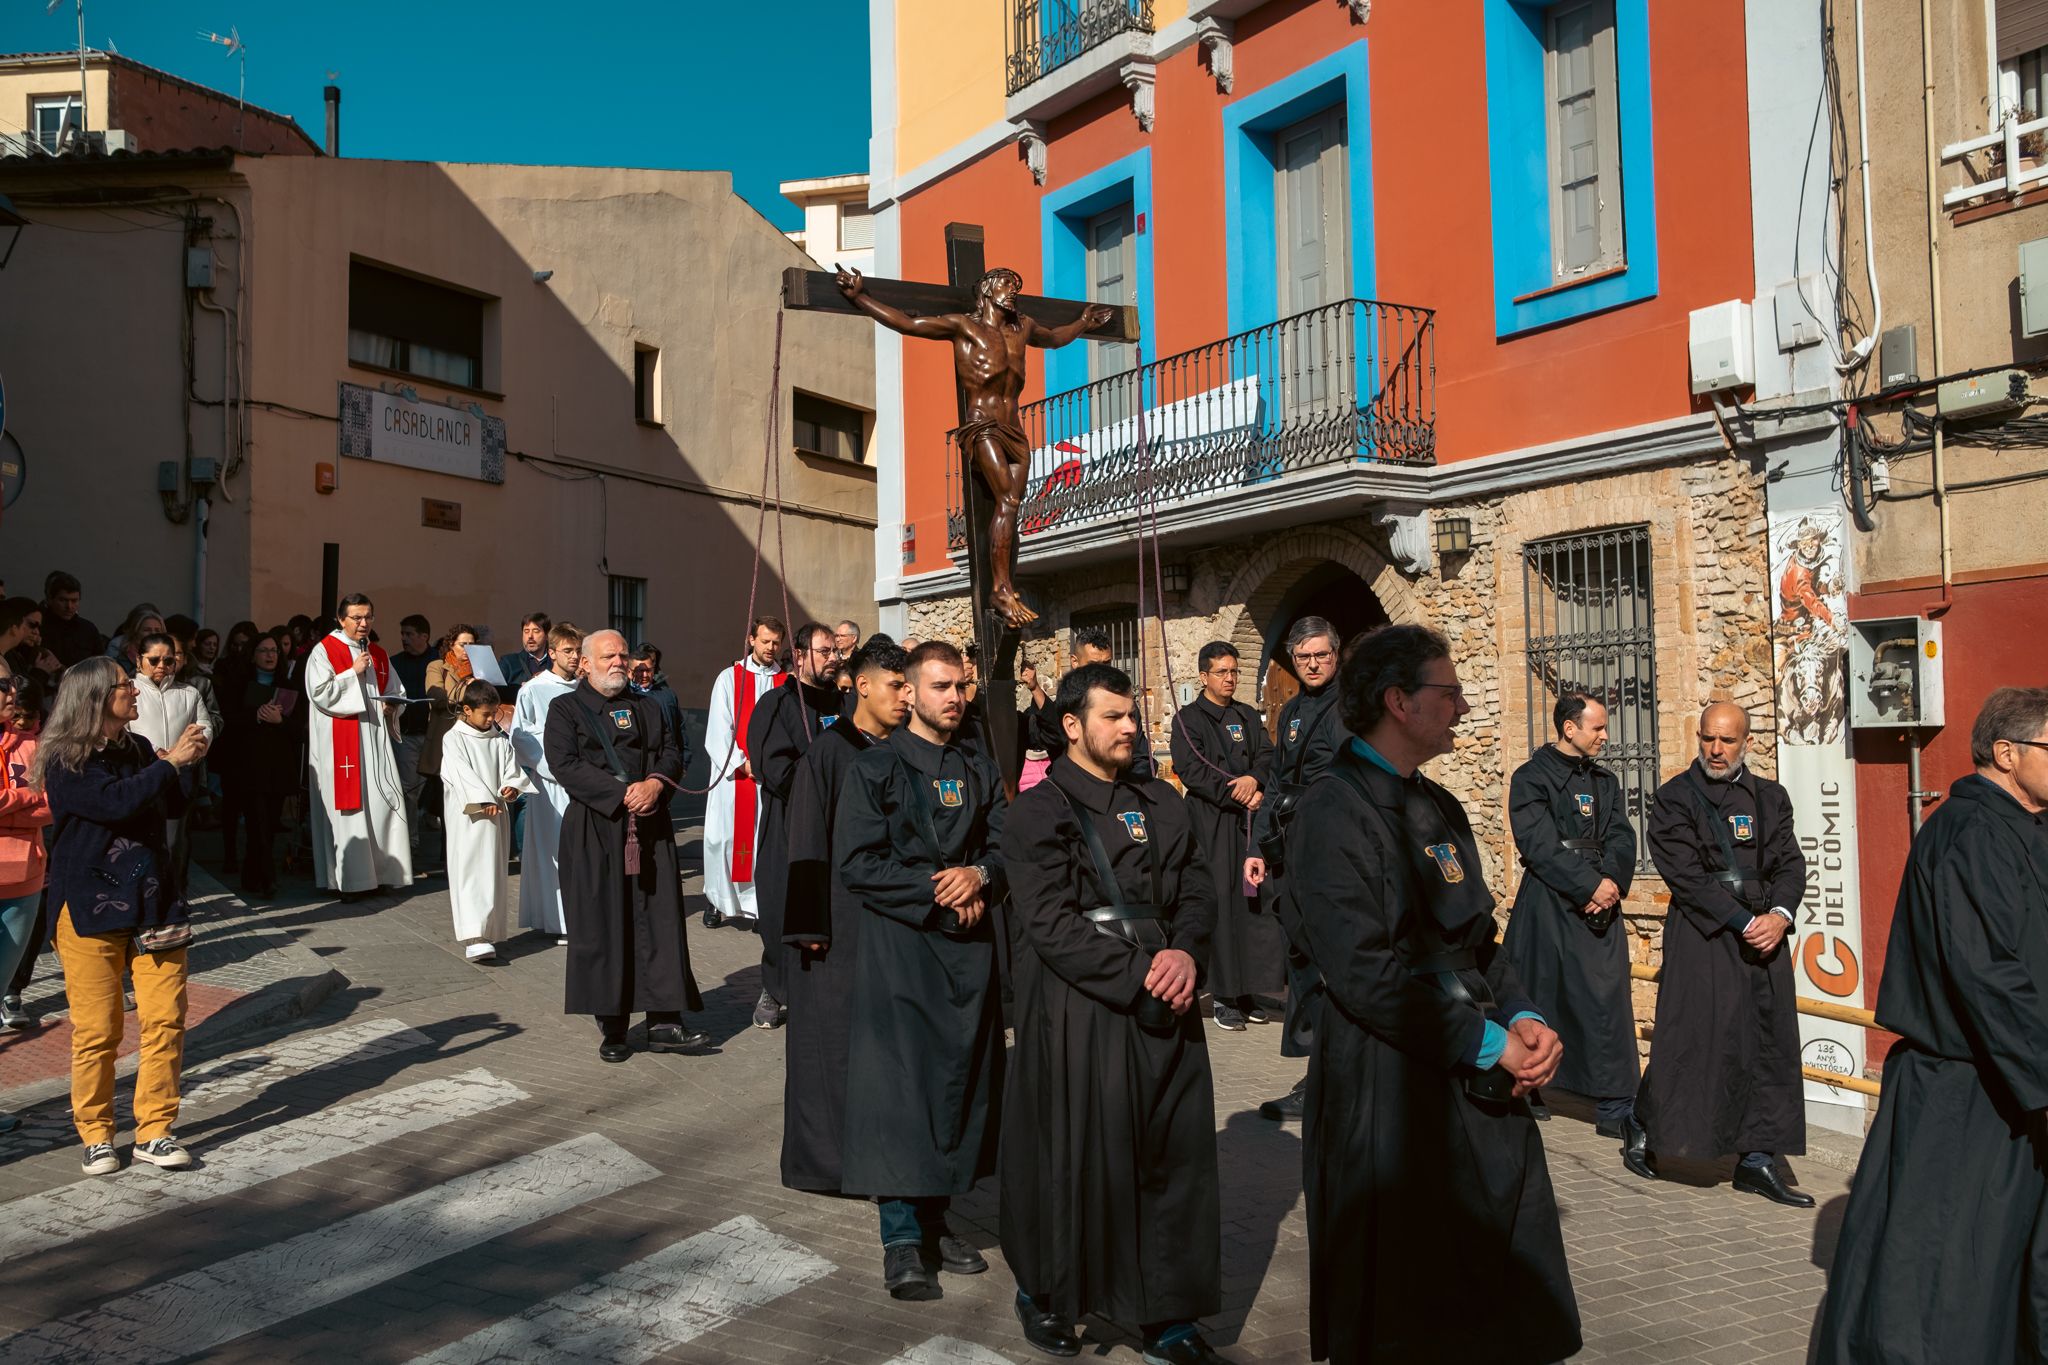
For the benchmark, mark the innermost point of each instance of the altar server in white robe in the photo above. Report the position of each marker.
(480, 776)
(540, 876)
(732, 810)
(360, 841)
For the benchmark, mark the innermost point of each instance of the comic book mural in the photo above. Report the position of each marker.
(1809, 631)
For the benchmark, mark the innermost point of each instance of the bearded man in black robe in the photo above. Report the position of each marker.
(1219, 749)
(917, 837)
(1311, 733)
(822, 923)
(1724, 1058)
(1578, 853)
(1432, 1228)
(1109, 1127)
(780, 732)
(613, 753)
(1940, 1254)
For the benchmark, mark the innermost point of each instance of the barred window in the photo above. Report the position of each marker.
(629, 608)
(1587, 602)
(1121, 625)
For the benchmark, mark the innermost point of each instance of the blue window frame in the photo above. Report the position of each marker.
(1527, 294)
(1064, 215)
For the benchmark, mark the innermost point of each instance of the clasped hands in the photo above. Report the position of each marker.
(960, 889)
(1172, 979)
(1531, 1055)
(1245, 791)
(643, 796)
(1766, 931)
(1605, 897)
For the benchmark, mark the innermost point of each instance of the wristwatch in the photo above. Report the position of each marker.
(1789, 919)
(981, 871)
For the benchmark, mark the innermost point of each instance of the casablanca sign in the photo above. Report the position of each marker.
(440, 438)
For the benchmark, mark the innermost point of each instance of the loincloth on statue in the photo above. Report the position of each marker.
(1009, 437)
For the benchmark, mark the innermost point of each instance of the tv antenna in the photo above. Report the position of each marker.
(232, 41)
(51, 8)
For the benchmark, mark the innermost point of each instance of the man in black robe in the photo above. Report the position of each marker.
(1432, 1228)
(612, 752)
(1940, 1254)
(821, 927)
(1578, 852)
(1109, 1127)
(1310, 734)
(1219, 748)
(780, 732)
(916, 837)
(1724, 1057)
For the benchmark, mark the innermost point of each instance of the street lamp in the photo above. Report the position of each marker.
(1453, 535)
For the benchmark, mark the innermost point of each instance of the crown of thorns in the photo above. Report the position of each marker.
(999, 273)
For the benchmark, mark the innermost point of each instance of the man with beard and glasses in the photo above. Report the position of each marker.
(821, 925)
(1432, 1228)
(1310, 735)
(917, 839)
(784, 725)
(612, 753)
(1110, 1204)
(1579, 856)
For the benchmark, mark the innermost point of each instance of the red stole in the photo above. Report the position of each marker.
(746, 802)
(348, 730)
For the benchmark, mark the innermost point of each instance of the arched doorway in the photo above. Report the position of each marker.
(1327, 589)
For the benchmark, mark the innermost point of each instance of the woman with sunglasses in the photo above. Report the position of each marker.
(118, 902)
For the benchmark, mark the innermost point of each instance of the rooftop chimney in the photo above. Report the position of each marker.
(333, 94)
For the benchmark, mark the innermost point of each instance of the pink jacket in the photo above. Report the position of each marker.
(23, 815)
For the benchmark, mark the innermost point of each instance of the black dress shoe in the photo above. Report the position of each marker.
(712, 918)
(1607, 1130)
(1538, 1110)
(1635, 1149)
(955, 1255)
(1288, 1106)
(1766, 1181)
(1187, 1351)
(904, 1275)
(610, 1051)
(1045, 1330)
(674, 1038)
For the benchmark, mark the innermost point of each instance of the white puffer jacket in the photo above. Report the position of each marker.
(162, 713)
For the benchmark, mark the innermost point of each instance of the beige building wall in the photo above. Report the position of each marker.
(664, 259)
(1976, 253)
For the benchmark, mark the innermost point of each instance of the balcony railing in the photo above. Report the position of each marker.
(1047, 34)
(1353, 381)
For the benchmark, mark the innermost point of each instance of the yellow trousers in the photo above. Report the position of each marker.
(93, 966)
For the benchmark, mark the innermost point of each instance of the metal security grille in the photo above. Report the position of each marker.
(1587, 600)
(629, 608)
(1122, 625)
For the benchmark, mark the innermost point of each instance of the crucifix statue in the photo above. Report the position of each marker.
(990, 325)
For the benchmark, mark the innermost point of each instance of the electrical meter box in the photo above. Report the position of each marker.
(1895, 667)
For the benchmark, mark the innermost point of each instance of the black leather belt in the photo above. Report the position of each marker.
(1104, 914)
(1741, 884)
(1582, 845)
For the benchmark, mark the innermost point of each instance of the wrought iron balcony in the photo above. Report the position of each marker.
(1047, 34)
(1352, 381)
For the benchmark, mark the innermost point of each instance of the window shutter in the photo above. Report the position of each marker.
(2022, 27)
(856, 227)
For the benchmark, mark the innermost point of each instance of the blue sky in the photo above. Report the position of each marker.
(770, 90)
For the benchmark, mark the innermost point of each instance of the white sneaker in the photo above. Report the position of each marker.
(481, 952)
(165, 1152)
(101, 1159)
(562, 941)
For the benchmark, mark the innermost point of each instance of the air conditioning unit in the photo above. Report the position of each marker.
(117, 140)
(1895, 668)
(1720, 340)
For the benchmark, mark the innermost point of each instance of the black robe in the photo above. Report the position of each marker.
(1940, 1256)
(924, 1062)
(1109, 1189)
(1310, 734)
(819, 984)
(1577, 975)
(1433, 1231)
(1248, 954)
(1724, 1055)
(627, 948)
(778, 734)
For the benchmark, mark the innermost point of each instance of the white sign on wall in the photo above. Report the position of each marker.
(441, 438)
(1810, 641)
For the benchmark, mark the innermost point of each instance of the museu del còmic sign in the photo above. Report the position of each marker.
(441, 438)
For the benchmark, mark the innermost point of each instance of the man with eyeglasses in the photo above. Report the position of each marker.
(360, 840)
(163, 708)
(1309, 736)
(779, 734)
(1723, 1077)
(1940, 1248)
(1219, 748)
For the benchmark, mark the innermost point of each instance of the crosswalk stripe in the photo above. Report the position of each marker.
(949, 1351)
(244, 1073)
(652, 1305)
(105, 1203)
(196, 1312)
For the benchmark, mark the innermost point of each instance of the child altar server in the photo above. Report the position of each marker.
(480, 775)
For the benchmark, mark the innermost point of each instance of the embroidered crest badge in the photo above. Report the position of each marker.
(1294, 729)
(1744, 826)
(825, 722)
(1235, 730)
(1585, 800)
(948, 789)
(1446, 859)
(1134, 825)
(623, 718)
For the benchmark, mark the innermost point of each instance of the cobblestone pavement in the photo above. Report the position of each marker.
(434, 1165)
